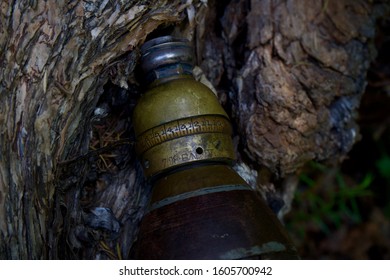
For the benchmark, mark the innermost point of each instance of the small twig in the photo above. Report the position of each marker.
(104, 162)
(97, 152)
(107, 250)
(118, 251)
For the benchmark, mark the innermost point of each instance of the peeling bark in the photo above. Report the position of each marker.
(297, 77)
(290, 74)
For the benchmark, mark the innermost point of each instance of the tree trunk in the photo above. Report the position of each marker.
(290, 74)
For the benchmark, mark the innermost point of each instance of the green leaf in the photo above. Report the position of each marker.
(383, 165)
(366, 181)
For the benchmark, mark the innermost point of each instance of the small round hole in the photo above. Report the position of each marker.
(199, 150)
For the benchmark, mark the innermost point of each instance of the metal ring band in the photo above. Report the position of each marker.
(181, 128)
(201, 147)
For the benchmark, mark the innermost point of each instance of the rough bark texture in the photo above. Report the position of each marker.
(290, 73)
(297, 76)
(55, 58)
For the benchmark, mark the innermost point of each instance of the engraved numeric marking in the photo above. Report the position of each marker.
(183, 127)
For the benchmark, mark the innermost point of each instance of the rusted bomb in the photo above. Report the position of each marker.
(200, 207)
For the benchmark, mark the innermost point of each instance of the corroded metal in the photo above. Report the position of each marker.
(178, 120)
(200, 207)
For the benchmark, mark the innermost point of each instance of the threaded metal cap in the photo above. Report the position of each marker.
(165, 56)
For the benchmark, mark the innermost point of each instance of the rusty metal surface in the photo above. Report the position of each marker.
(231, 224)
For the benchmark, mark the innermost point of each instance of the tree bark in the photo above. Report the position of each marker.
(290, 74)
(56, 56)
